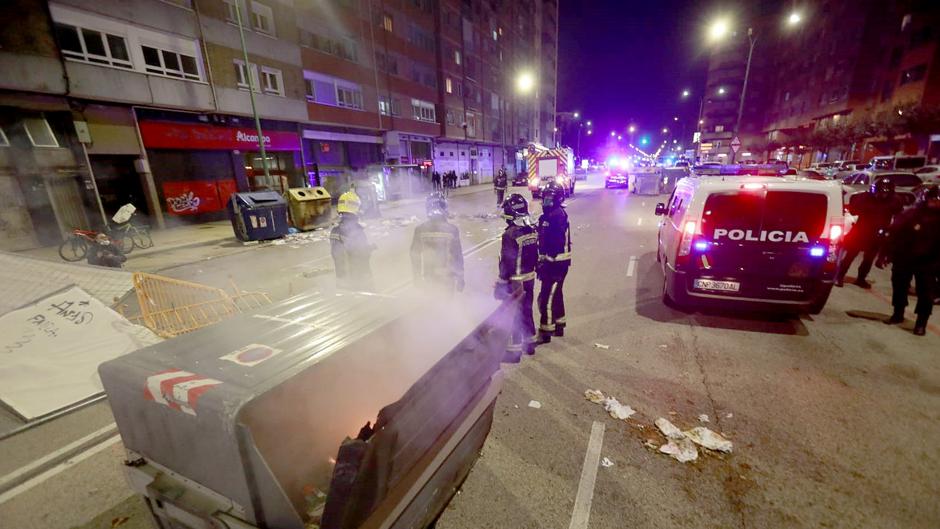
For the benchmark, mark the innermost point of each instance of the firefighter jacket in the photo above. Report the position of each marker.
(554, 236)
(519, 254)
(436, 252)
(350, 249)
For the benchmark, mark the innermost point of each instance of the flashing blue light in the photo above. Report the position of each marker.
(701, 245)
(644, 140)
(817, 251)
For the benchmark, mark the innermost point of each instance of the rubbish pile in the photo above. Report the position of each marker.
(301, 238)
(681, 445)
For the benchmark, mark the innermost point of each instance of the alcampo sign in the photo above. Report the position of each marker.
(167, 135)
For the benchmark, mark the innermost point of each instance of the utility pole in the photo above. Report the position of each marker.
(747, 71)
(251, 92)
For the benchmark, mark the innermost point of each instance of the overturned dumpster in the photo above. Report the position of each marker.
(347, 411)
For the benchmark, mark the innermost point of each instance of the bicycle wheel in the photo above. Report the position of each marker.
(73, 249)
(141, 238)
(122, 241)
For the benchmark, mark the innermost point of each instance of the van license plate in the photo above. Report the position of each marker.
(723, 286)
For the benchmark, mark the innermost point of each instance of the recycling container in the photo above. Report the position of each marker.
(309, 207)
(258, 215)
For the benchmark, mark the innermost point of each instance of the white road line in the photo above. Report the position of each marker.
(58, 469)
(639, 221)
(631, 266)
(582, 502)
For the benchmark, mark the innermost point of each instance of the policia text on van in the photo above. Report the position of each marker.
(752, 241)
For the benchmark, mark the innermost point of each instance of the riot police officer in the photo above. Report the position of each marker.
(349, 246)
(500, 182)
(518, 258)
(875, 210)
(913, 248)
(436, 253)
(554, 261)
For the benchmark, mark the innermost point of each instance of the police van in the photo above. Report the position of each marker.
(766, 242)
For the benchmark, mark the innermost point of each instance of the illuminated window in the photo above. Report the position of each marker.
(457, 56)
(387, 23)
(448, 86)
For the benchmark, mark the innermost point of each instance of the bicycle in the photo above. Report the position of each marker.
(139, 236)
(75, 247)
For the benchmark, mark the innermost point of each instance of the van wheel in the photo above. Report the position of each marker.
(667, 299)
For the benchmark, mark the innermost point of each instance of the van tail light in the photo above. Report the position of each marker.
(834, 236)
(689, 230)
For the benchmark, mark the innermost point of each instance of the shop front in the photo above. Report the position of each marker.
(197, 166)
(336, 160)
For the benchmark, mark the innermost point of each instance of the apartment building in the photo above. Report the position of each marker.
(147, 101)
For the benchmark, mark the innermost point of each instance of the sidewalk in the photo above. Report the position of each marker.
(217, 232)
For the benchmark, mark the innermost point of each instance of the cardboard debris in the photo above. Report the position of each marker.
(601, 346)
(606, 463)
(683, 450)
(730, 415)
(708, 439)
(594, 396)
(617, 410)
(668, 429)
(703, 418)
(535, 404)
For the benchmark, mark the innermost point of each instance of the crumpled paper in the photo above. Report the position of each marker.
(617, 410)
(708, 439)
(594, 396)
(671, 431)
(683, 450)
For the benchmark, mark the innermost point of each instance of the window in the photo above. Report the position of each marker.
(4, 142)
(39, 132)
(241, 75)
(342, 47)
(450, 121)
(387, 22)
(348, 97)
(271, 81)
(384, 108)
(262, 18)
(912, 75)
(448, 86)
(92, 46)
(423, 111)
(719, 128)
(457, 57)
(332, 91)
(310, 90)
(170, 63)
(231, 15)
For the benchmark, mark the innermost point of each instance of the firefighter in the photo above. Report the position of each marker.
(875, 210)
(436, 254)
(554, 261)
(518, 258)
(350, 247)
(500, 182)
(913, 248)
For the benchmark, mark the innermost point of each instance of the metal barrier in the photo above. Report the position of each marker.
(170, 307)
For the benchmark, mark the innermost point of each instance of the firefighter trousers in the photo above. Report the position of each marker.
(552, 296)
(500, 194)
(901, 276)
(522, 338)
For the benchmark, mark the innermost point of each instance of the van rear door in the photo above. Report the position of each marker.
(764, 244)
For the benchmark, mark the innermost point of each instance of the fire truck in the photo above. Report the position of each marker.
(544, 165)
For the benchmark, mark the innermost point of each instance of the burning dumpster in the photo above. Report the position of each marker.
(335, 412)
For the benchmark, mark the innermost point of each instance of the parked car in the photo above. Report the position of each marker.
(904, 182)
(929, 173)
(813, 174)
(849, 169)
(520, 179)
(897, 163)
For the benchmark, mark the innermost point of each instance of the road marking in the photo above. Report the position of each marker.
(592, 458)
(58, 469)
(639, 221)
(631, 266)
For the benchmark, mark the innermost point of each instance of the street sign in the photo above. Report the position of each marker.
(735, 144)
(705, 147)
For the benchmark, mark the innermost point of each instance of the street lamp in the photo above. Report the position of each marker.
(525, 82)
(665, 130)
(590, 132)
(719, 29)
(589, 123)
(675, 118)
(577, 115)
(631, 129)
(794, 18)
(612, 134)
(619, 137)
(685, 93)
(721, 90)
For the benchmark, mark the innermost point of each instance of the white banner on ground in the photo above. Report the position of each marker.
(50, 350)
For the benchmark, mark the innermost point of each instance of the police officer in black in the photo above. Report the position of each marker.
(349, 246)
(913, 248)
(518, 258)
(436, 253)
(875, 210)
(554, 261)
(500, 183)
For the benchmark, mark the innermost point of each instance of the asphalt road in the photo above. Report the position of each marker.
(835, 418)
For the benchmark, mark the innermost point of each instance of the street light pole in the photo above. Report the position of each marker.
(251, 93)
(747, 71)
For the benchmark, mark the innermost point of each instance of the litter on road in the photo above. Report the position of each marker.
(594, 396)
(601, 346)
(606, 463)
(730, 415)
(683, 450)
(535, 404)
(703, 418)
(708, 439)
(617, 410)
(668, 429)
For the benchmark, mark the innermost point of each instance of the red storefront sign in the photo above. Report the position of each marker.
(191, 197)
(163, 135)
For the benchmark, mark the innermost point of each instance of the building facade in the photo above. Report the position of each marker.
(147, 101)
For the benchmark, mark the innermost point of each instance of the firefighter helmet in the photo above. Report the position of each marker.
(882, 187)
(349, 203)
(552, 196)
(515, 207)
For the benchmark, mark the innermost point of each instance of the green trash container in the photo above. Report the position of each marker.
(310, 207)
